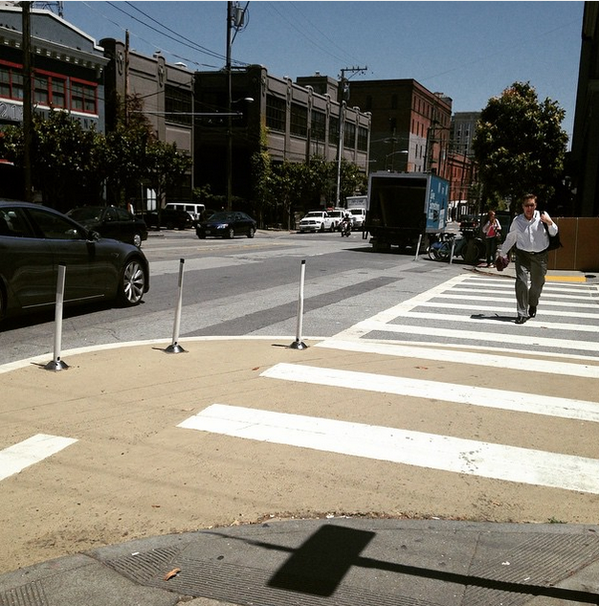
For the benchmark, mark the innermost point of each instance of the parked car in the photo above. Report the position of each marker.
(35, 240)
(316, 220)
(169, 218)
(227, 225)
(111, 222)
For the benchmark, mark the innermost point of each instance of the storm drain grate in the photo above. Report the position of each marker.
(31, 594)
(143, 567)
(537, 565)
(239, 584)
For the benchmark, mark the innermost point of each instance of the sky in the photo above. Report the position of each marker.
(470, 51)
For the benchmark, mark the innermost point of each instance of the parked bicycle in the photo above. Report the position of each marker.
(465, 245)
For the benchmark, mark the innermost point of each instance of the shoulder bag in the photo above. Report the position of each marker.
(554, 241)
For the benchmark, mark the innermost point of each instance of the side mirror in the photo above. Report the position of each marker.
(93, 236)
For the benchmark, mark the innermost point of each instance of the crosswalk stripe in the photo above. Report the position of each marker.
(508, 463)
(480, 318)
(461, 335)
(510, 310)
(33, 450)
(463, 357)
(484, 397)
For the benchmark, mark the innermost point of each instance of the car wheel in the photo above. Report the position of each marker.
(201, 236)
(231, 233)
(137, 240)
(251, 232)
(132, 283)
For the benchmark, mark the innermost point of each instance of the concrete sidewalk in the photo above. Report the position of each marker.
(344, 561)
(339, 561)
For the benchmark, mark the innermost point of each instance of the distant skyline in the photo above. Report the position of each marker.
(470, 51)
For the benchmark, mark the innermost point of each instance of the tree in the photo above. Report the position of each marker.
(67, 160)
(519, 145)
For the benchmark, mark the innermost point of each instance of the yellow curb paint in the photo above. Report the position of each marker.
(565, 278)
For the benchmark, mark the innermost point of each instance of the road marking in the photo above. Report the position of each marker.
(496, 461)
(369, 326)
(484, 397)
(33, 450)
(463, 357)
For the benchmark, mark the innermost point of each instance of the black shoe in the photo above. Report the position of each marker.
(521, 319)
(532, 312)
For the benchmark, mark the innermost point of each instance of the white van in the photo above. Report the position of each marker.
(195, 210)
(358, 216)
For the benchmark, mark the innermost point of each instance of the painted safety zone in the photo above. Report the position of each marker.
(500, 462)
(33, 450)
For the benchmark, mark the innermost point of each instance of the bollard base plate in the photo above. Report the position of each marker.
(298, 345)
(174, 348)
(56, 365)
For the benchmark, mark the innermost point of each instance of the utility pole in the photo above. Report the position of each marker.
(344, 94)
(27, 97)
(235, 21)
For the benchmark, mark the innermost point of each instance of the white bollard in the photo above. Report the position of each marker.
(174, 347)
(57, 364)
(298, 343)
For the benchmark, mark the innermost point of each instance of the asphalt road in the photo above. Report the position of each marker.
(241, 287)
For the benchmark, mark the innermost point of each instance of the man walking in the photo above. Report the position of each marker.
(528, 232)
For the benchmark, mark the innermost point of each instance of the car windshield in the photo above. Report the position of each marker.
(314, 213)
(356, 211)
(87, 213)
(222, 217)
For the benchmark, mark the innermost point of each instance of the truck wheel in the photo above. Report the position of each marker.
(321, 227)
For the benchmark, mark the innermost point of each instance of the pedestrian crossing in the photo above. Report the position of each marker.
(467, 320)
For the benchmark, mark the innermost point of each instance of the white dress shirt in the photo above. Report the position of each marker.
(529, 236)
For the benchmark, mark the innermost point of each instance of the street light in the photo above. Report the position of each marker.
(230, 143)
(401, 151)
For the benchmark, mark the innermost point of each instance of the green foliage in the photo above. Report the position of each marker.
(519, 145)
(70, 164)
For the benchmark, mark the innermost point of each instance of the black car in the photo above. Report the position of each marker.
(35, 241)
(227, 225)
(111, 222)
(169, 218)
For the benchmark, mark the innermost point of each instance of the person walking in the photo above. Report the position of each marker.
(492, 231)
(529, 233)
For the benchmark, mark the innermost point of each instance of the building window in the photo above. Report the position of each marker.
(319, 125)
(83, 97)
(362, 139)
(349, 135)
(299, 120)
(178, 105)
(11, 83)
(334, 130)
(275, 113)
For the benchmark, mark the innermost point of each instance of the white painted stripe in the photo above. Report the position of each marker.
(33, 450)
(510, 310)
(464, 357)
(496, 461)
(546, 295)
(550, 406)
(482, 319)
(524, 339)
(511, 299)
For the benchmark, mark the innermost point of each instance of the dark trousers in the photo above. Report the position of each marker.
(530, 278)
(490, 249)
